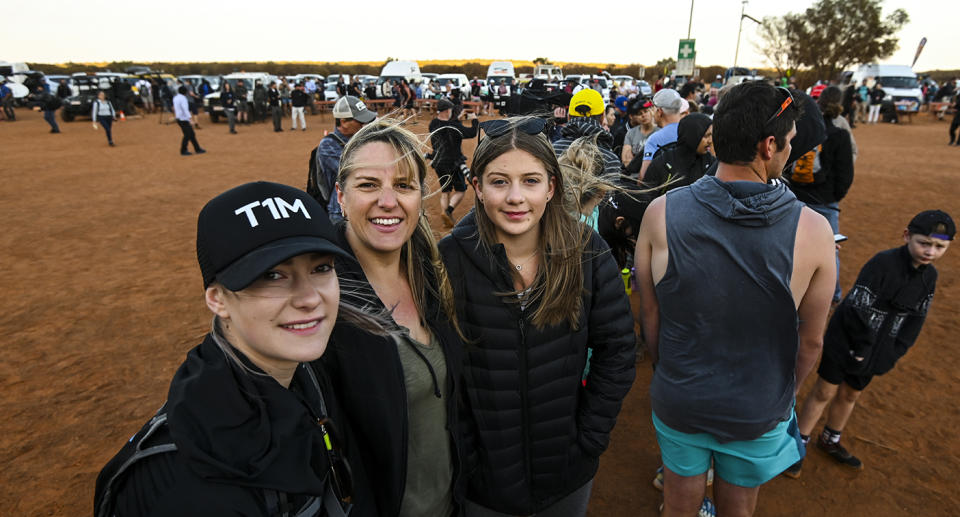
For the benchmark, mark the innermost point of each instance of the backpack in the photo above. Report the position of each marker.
(154, 438)
(317, 186)
(807, 170)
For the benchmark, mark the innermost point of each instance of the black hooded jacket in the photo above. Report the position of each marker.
(238, 434)
(367, 376)
(585, 126)
(679, 161)
(533, 432)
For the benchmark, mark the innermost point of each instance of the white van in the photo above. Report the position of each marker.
(899, 82)
(501, 71)
(394, 70)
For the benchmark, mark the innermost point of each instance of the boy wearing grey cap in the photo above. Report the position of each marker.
(873, 327)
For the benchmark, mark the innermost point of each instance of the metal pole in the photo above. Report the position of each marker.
(736, 54)
(690, 23)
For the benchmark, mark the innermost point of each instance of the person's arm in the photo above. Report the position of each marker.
(474, 127)
(815, 242)
(613, 363)
(842, 166)
(643, 170)
(643, 257)
(626, 156)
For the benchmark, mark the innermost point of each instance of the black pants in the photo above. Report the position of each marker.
(188, 136)
(953, 128)
(277, 113)
(107, 123)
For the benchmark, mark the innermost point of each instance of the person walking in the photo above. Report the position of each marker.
(251, 425)
(300, 100)
(229, 102)
(181, 111)
(535, 288)
(446, 138)
(103, 114)
(243, 103)
(48, 104)
(6, 99)
(955, 123)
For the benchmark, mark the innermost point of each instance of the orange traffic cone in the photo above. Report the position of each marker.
(122, 116)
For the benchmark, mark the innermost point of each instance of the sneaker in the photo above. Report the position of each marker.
(793, 471)
(185, 153)
(447, 218)
(707, 508)
(839, 453)
(201, 151)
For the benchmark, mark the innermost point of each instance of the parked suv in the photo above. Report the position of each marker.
(211, 103)
(87, 88)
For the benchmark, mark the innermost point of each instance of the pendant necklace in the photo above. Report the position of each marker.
(519, 265)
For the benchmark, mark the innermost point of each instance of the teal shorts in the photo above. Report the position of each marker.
(747, 463)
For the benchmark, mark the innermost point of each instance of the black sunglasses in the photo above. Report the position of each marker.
(340, 472)
(500, 127)
(783, 107)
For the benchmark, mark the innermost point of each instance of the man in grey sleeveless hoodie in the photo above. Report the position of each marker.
(735, 278)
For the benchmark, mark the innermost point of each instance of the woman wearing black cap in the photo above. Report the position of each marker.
(248, 426)
(400, 395)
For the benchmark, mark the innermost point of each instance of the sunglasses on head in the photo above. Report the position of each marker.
(500, 127)
(783, 107)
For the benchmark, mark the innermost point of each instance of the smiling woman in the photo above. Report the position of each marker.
(249, 423)
(401, 395)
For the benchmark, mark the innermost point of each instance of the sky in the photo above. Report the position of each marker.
(57, 31)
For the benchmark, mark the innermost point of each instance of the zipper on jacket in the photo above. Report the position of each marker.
(525, 410)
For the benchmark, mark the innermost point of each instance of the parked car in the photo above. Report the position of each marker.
(330, 92)
(317, 78)
(211, 103)
(53, 82)
(458, 81)
(87, 88)
(197, 80)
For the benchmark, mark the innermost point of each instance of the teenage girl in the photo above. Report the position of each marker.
(535, 288)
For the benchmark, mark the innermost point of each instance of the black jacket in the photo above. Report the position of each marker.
(367, 376)
(585, 126)
(446, 137)
(533, 432)
(299, 98)
(836, 170)
(881, 316)
(238, 434)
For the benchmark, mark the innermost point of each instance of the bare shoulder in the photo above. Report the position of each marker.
(654, 219)
(813, 228)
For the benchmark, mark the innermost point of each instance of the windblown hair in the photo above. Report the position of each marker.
(558, 285)
(425, 280)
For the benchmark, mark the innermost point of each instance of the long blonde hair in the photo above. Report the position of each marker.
(558, 285)
(424, 281)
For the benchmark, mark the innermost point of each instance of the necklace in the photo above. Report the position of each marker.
(519, 265)
(761, 178)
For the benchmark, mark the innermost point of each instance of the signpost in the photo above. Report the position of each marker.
(686, 57)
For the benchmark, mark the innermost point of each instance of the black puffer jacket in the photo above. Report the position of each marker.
(534, 434)
(365, 370)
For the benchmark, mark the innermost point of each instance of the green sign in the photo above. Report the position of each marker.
(687, 50)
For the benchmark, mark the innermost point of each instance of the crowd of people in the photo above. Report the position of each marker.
(357, 366)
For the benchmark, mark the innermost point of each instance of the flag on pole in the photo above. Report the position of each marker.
(923, 41)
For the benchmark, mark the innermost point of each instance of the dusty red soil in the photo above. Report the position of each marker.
(101, 299)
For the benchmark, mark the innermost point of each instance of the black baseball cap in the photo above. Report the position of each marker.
(444, 104)
(934, 223)
(247, 230)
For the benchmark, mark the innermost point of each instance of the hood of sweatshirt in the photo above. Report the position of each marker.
(582, 126)
(243, 428)
(691, 129)
(745, 203)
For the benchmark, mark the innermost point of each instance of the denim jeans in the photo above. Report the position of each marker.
(832, 212)
(51, 117)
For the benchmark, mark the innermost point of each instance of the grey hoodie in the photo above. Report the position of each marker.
(728, 325)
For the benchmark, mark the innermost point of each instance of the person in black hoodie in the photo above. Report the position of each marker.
(250, 419)
(685, 161)
(535, 288)
(400, 395)
(585, 112)
(446, 137)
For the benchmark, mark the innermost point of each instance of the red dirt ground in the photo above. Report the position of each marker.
(102, 298)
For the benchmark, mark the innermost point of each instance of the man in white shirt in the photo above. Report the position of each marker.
(181, 110)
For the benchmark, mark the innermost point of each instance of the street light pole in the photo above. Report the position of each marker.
(690, 23)
(736, 54)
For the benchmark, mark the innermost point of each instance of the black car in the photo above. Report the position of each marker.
(88, 86)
